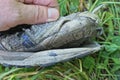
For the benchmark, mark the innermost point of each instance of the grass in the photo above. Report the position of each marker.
(103, 65)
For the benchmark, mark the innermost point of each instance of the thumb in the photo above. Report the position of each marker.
(33, 14)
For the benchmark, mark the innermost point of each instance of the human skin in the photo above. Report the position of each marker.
(16, 12)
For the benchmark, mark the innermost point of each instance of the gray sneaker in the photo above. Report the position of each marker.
(45, 44)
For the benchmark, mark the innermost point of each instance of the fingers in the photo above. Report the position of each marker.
(49, 3)
(41, 12)
(15, 12)
(32, 14)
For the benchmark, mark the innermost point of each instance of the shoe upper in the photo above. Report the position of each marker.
(69, 29)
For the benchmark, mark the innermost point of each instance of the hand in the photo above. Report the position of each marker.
(16, 12)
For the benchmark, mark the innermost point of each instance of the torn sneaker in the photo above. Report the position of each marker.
(45, 44)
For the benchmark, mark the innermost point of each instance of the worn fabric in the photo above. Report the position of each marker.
(52, 42)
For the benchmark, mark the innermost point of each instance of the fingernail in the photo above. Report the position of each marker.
(53, 14)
